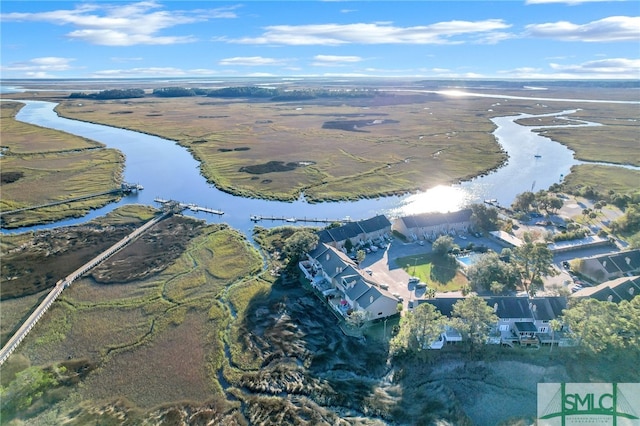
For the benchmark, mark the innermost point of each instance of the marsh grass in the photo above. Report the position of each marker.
(157, 340)
(603, 178)
(54, 166)
(344, 164)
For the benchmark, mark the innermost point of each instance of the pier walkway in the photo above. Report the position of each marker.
(192, 207)
(257, 218)
(31, 321)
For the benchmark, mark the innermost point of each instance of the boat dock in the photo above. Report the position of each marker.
(258, 218)
(191, 206)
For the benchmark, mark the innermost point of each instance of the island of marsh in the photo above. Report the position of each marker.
(337, 149)
(329, 149)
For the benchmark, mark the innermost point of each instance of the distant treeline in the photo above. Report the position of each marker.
(229, 92)
(110, 94)
(519, 84)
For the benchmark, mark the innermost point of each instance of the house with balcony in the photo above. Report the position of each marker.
(344, 286)
(544, 310)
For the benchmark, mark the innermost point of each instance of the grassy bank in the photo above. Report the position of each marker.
(41, 166)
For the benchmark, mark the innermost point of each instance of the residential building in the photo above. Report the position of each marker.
(617, 290)
(343, 285)
(609, 266)
(360, 232)
(429, 226)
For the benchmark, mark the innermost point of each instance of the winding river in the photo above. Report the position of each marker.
(168, 170)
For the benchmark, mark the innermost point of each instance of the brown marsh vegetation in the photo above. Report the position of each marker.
(42, 165)
(396, 153)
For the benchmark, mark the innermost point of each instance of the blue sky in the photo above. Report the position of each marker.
(427, 39)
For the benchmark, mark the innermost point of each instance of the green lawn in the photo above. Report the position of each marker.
(442, 274)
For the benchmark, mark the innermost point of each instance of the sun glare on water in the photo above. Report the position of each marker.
(438, 199)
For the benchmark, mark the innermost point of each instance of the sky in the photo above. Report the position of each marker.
(532, 39)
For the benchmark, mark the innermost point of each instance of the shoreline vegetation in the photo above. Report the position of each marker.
(41, 166)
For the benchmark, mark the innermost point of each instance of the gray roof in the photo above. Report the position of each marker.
(627, 261)
(324, 237)
(368, 297)
(510, 307)
(525, 326)
(318, 250)
(374, 224)
(333, 261)
(357, 290)
(344, 232)
(623, 262)
(625, 288)
(547, 308)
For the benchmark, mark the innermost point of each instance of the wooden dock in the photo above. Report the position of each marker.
(258, 218)
(191, 206)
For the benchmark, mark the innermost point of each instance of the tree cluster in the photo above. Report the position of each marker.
(484, 218)
(541, 200)
(423, 326)
(109, 94)
(598, 326)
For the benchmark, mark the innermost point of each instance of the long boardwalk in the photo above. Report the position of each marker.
(15, 340)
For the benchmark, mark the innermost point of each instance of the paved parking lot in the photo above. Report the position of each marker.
(384, 269)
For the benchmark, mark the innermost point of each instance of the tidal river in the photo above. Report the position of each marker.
(168, 171)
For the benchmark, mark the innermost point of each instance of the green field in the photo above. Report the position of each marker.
(438, 273)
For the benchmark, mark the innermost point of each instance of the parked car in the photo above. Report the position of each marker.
(369, 271)
(421, 285)
(413, 280)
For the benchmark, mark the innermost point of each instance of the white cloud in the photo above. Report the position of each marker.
(142, 72)
(618, 68)
(450, 32)
(333, 60)
(614, 28)
(570, 2)
(251, 61)
(612, 66)
(122, 25)
(40, 66)
(123, 59)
